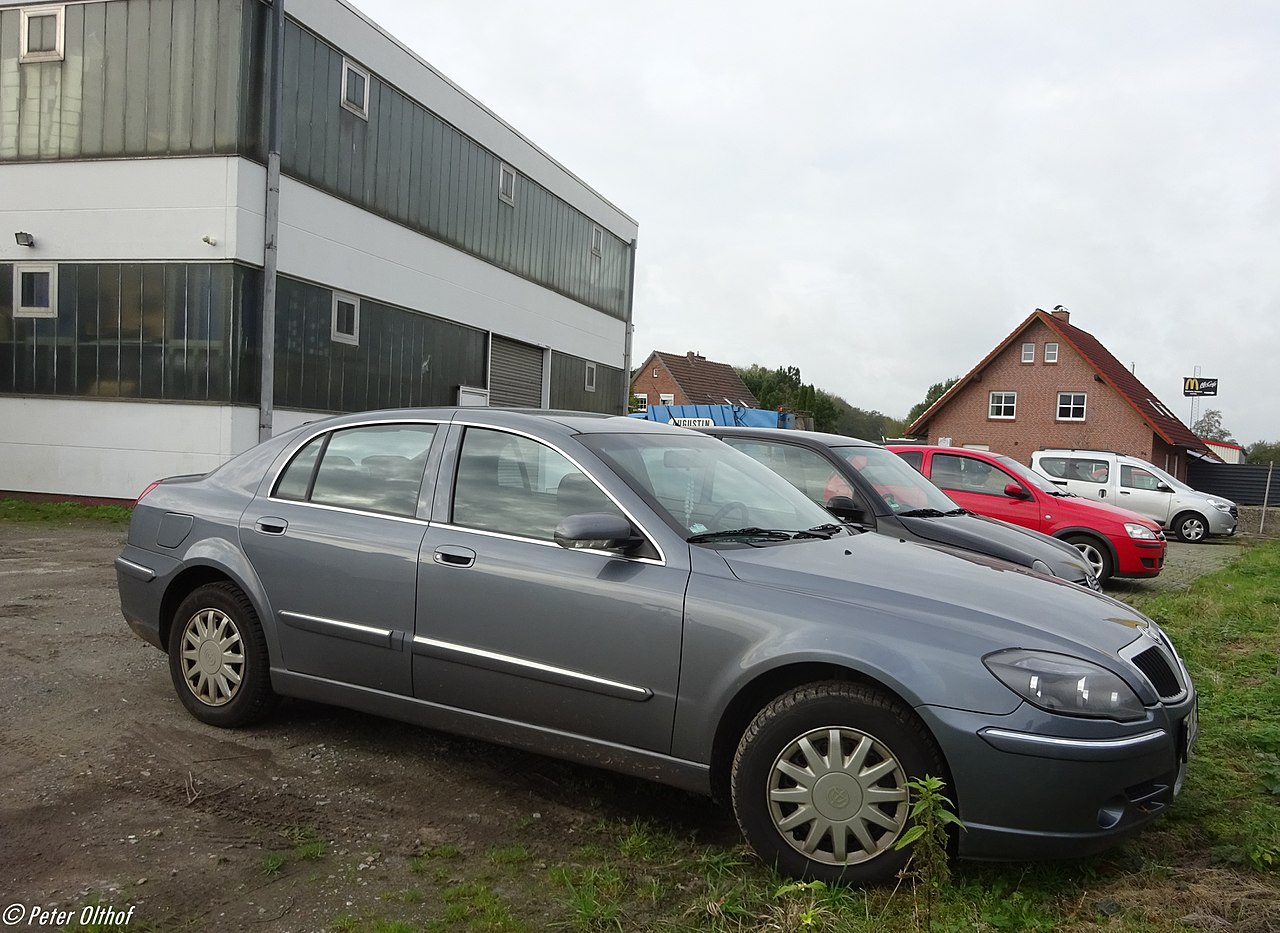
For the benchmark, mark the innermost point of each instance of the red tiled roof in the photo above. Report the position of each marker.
(706, 382)
(1109, 369)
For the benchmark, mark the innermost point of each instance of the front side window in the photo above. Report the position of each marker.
(1138, 478)
(35, 289)
(1071, 406)
(1051, 353)
(968, 474)
(1003, 405)
(346, 318)
(515, 485)
(1028, 353)
(374, 468)
(355, 89)
(41, 34)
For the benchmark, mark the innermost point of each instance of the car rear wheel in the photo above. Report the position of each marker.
(1095, 554)
(218, 657)
(1191, 527)
(820, 777)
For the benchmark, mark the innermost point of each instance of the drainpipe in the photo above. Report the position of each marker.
(626, 347)
(271, 232)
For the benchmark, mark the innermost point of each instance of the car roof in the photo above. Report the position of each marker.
(937, 448)
(556, 422)
(810, 438)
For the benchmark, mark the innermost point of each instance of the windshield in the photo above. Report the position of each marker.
(900, 487)
(701, 486)
(1028, 475)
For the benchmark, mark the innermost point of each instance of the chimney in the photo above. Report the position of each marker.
(1062, 314)
(694, 356)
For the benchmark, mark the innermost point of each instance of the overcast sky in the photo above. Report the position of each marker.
(879, 193)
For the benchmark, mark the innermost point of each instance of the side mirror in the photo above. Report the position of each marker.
(602, 531)
(844, 508)
(1163, 487)
(1014, 491)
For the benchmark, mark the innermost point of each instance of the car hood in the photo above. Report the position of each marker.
(999, 539)
(998, 603)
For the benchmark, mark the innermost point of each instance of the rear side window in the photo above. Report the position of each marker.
(375, 468)
(914, 458)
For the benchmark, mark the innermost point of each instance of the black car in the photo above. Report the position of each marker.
(867, 485)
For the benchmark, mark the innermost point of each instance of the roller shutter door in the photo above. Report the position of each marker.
(515, 375)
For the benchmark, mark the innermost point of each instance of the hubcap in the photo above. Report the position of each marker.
(1092, 557)
(1193, 529)
(838, 796)
(212, 657)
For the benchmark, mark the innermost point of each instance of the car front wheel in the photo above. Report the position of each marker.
(820, 782)
(1191, 527)
(218, 657)
(1095, 554)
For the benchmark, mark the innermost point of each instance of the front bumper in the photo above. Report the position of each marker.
(1035, 785)
(1223, 524)
(1137, 558)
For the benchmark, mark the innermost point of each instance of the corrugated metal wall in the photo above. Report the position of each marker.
(568, 386)
(1242, 483)
(515, 373)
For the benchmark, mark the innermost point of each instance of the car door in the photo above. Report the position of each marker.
(980, 486)
(1145, 493)
(512, 625)
(335, 541)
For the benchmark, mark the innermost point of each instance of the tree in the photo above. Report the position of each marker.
(1263, 452)
(936, 391)
(773, 388)
(1209, 427)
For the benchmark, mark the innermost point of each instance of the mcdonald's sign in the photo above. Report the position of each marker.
(1198, 385)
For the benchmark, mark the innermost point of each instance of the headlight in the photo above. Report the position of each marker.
(1059, 683)
(1141, 532)
(1220, 505)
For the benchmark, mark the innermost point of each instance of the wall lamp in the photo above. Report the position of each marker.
(24, 239)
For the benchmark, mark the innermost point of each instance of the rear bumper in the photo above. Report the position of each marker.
(141, 577)
(1034, 785)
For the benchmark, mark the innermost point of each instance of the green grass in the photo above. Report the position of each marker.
(61, 513)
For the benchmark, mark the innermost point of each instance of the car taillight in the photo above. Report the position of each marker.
(145, 491)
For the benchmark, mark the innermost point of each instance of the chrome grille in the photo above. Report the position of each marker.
(1158, 669)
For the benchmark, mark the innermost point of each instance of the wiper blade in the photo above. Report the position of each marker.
(922, 513)
(957, 512)
(825, 532)
(770, 534)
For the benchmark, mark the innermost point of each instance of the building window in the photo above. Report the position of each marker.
(591, 377)
(1051, 353)
(40, 35)
(1003, 404)
(640, 401)
(355, 89)
(666, 399)
(1028, 353)
(35, 289)
(346, 319)
(507, 185)
(597, 241)
(1071, 406)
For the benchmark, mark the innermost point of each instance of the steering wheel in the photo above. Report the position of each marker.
(726, 510)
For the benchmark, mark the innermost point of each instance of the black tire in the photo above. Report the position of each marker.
(1095, 553)
(1191, 527)
(777, 812)
(218, 657)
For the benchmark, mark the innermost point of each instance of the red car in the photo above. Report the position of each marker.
(1115, 541)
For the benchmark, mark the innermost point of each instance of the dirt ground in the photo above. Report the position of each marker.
(110, 794)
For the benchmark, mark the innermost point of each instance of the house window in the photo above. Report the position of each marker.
(1003, 404)
(666, 399)
(35, 289)
(1028, 353)
(40, 34)
(355, 89)
(1071, 406)
(597, 241)
(507, 185)
(1051, 353)
(591, 377)
(346, 319)
(639, 401)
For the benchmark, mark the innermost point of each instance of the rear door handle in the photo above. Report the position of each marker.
(271, 526)
(453, 556)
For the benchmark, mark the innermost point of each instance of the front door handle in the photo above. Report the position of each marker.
(271, 526)
(453, 556)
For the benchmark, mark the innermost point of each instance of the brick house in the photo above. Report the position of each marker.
(1051, 384)
(687, 379)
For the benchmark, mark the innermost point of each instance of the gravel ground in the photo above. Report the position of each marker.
(110, 792)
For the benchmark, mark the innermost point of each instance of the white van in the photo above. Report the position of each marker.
(1141, 487)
